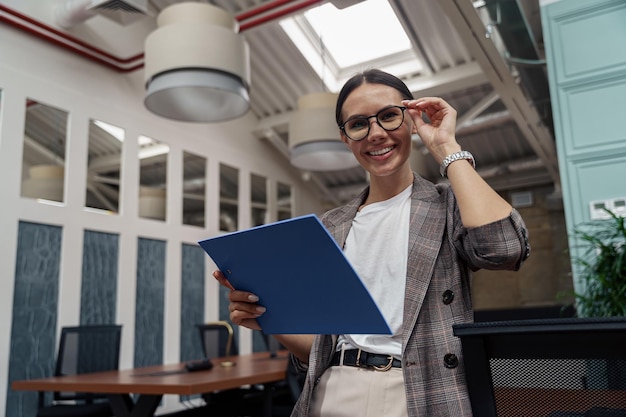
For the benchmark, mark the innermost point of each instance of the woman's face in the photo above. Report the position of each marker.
(381, 153)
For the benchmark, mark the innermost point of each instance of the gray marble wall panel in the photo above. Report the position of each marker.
(258, 342)
(35, 300)
(150, 302)
(223, 300)
(99, 281)
(192, 301)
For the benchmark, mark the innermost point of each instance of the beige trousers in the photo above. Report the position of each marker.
(349, 391)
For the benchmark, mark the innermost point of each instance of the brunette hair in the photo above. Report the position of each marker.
(371, 76)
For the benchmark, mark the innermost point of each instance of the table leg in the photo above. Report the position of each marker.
(145, 406)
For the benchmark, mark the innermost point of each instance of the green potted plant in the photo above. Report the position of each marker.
(602, 268)
(602, 274)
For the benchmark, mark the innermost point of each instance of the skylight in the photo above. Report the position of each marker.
(339, 42)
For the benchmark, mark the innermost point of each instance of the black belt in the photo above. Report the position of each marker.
(360, 358)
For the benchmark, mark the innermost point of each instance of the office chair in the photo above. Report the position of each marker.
(218, 340)
(83, 349)
(285, 393)
(564, 367)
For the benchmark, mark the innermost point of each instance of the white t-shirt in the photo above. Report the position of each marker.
(380, 258)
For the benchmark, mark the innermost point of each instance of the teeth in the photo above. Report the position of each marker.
(381, 151)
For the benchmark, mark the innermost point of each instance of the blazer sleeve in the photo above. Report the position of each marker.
(501, 245)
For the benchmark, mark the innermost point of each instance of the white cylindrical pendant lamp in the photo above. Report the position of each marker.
(45, 182)
(314, 140)
(197, 65)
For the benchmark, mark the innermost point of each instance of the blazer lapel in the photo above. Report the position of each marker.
(339, 221)
(427, 226)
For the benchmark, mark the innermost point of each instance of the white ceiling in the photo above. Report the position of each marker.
(503, 103)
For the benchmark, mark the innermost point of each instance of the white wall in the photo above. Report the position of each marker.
(32, 68)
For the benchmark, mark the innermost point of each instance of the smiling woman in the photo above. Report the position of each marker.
(410, 241)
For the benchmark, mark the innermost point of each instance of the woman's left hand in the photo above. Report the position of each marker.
(439, 135)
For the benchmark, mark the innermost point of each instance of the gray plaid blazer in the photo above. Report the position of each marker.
(441, 255)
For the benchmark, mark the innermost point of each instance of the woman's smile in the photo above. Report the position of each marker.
(382, 151)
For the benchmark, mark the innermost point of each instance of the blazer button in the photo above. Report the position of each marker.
(450, 361)
(447, 296)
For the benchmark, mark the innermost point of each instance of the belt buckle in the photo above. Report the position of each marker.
(384, 368)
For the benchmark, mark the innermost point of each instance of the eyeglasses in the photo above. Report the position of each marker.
(358, 127)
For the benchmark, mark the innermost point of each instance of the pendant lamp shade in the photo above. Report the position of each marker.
(197, 66)
(314, 140)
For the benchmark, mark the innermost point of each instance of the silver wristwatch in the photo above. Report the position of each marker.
(443, 169)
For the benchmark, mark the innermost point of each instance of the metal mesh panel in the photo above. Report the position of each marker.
(559, 387)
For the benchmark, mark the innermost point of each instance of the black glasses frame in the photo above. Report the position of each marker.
(342, 126)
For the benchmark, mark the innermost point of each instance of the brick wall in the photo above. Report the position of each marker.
(545, 275)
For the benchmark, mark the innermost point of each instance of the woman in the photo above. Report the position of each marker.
(414, 245)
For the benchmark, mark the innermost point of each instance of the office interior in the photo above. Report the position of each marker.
(122, 247)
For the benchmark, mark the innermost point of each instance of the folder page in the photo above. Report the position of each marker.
(300, 275)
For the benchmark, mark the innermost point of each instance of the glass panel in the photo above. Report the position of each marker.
(43, 160)
(283, 197)
(258, 200)
(104, 166)
(194, 189)
(229, 192)
(152, 178)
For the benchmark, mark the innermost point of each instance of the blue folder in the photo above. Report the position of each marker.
(300, 275)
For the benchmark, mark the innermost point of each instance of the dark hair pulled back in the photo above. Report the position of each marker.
(371, 76)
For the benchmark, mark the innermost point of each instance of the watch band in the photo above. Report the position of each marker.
(443, 169)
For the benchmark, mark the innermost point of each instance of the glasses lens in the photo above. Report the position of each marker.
(390, 118)
(357, 128)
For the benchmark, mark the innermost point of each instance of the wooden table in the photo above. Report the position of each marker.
(151, 383)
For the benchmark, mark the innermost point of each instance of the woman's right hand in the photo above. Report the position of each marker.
(243, 306)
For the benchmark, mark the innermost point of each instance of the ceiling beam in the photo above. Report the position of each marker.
(43, 151)
(448, 81)
(466, 118)
(472, 30)
(444, 82)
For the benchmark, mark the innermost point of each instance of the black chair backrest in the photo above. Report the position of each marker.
(569, 367)
(218, 339)
(295, 378)
(85, 349)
